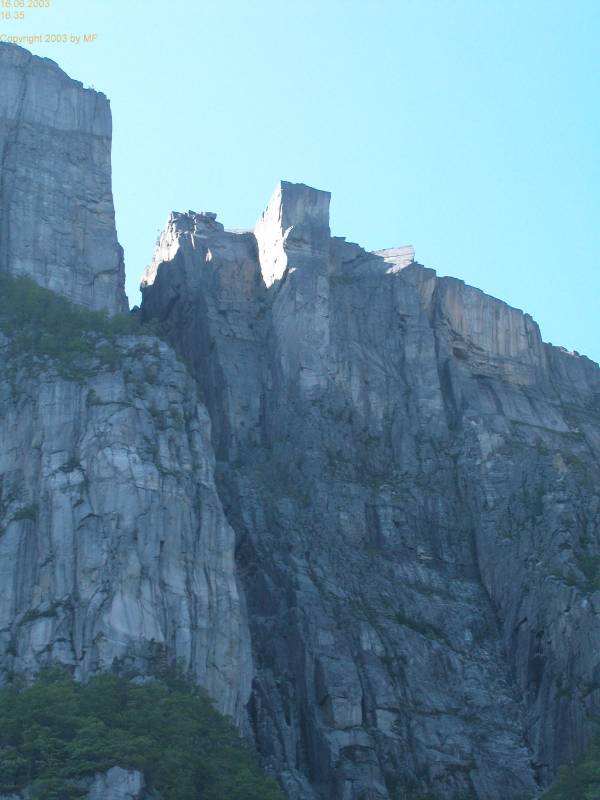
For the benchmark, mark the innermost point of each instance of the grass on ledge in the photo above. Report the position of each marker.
(41, 323)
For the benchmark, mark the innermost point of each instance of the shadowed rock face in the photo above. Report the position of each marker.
(413, 478)
(57, 222)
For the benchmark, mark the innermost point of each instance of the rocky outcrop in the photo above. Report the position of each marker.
(114, 549)
(412, 475)
(118, 784)
(57, 222)
(115, 784)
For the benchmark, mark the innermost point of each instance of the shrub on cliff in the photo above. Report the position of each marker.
(41, 323)
(581, 779)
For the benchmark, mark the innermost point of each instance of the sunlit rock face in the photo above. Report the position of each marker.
(358, 502)
(57, 222)
(293, 231)
(412, 475)
(114, 548)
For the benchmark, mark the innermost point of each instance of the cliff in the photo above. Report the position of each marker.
(412, 475)
(57, 221)
(114, 548)
(358, 502)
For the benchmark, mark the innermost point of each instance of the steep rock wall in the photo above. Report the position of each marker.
(114, 549)
(407, 476)
(57, 221)
(412, 475)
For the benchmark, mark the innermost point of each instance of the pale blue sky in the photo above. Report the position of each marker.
(470, 129)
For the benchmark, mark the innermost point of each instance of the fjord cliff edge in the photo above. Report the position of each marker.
(360, 501)
(412, 476)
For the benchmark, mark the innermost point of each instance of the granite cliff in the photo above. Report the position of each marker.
(412, 475)
(57, 221)
(360, 501)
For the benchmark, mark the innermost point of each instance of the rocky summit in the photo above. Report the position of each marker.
(359, 502)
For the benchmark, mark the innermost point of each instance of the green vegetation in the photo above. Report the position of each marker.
(590, 567)
(428, 631)
(43, 324)
(49, 612)
(28, 512)
(57, 731)
(579, 780)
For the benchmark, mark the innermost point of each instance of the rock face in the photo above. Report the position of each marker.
(413, 478)
(114, 548)
(364, 515)
(57, 221)
(116, 784)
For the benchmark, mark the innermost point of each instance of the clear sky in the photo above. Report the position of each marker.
(468, 128)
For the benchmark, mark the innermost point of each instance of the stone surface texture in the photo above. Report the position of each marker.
(359, 501)
(114, 547)
(57, 221)
(118, 784)
(413, 478)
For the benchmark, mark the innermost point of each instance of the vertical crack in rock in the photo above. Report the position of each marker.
(114, 549)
